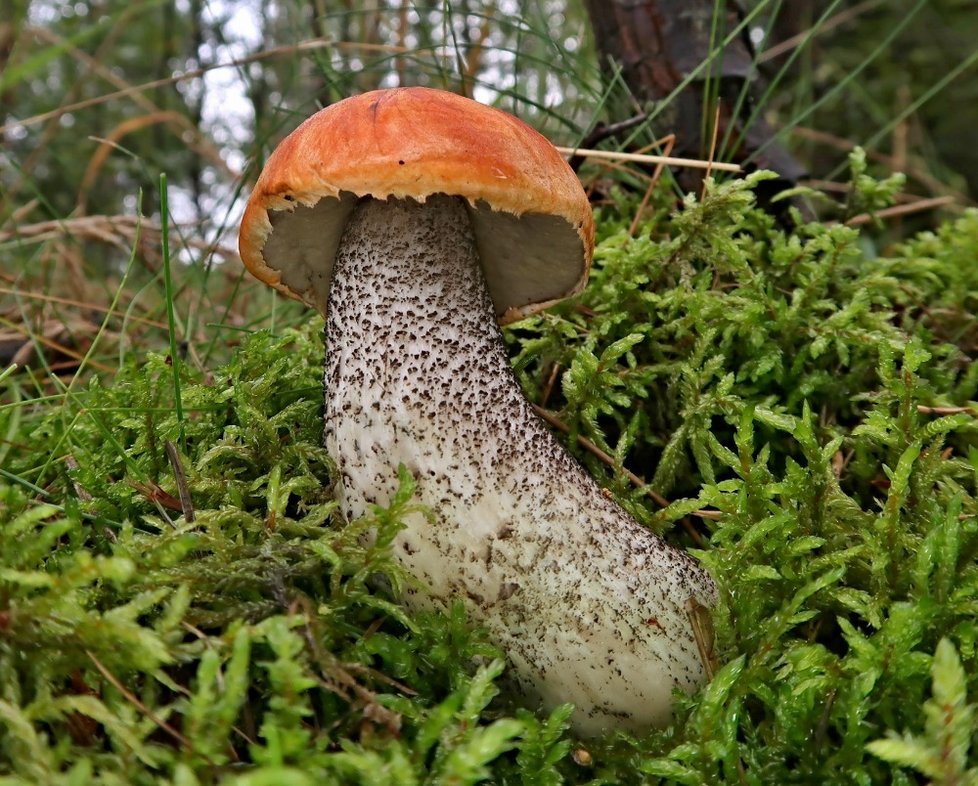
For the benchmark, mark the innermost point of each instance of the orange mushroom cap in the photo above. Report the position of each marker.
(531, 218)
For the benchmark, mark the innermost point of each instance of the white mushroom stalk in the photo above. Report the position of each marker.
(414, 219)
(590, 606)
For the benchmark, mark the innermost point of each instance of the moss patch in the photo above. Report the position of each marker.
(802, 404)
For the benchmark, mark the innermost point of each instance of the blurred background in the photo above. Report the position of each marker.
(98, 98)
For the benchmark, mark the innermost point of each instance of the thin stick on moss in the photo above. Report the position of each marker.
(924, 410)
(636, 480)
(180, 477)
(644, 158)
(134, 700)
(901, 210)
(668, 143)
(170, 316)
(711, 162)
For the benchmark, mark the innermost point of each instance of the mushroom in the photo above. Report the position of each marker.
(416, 220)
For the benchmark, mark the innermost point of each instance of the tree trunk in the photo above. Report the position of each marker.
(658, 44)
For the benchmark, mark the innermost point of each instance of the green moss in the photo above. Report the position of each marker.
(805, 398)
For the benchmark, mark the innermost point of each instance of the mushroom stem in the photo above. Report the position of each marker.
(589, 605)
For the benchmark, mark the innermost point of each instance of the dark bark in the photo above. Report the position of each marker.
(12, 15)
(656, 45)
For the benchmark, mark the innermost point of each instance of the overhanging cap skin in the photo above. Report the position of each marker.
(412, 143)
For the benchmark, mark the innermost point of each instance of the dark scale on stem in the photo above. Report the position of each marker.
(561, 576)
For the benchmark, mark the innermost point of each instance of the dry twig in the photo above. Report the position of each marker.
(186, 503)
(134, 700)
(594, 450)
(643, 158)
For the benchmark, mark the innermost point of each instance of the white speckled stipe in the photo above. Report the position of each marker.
(589, 605)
